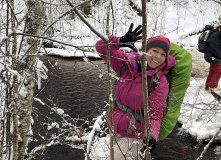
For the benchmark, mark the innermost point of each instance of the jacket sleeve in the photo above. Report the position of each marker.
(208, 57)
(117, 57)
(214, 43)
(157, 101)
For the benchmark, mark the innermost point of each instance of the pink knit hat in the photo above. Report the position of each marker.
(162, 42)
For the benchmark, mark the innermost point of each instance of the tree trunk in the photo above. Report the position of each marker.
(144, 77)
(110, 88)
(14, 89)
(7, 94)
(15, 120)
(27, 67)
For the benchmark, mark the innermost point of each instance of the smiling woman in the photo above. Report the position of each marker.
(158, 56)
(129, 125)
(159, 48)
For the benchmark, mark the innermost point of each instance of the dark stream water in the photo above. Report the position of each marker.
(68, 87)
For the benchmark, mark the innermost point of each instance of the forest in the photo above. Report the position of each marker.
(33, 32)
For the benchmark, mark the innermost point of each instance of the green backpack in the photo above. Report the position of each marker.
(180, 81)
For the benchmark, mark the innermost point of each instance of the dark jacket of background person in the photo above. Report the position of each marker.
(213, 51)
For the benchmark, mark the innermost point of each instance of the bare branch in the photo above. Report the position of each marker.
(217, 1)
(86, 22)
(208, 145)
(12, 11)
(144, 78)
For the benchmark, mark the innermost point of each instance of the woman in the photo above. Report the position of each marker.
(129, 91)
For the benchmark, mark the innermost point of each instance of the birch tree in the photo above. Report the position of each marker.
(33, 24)
(19, 76)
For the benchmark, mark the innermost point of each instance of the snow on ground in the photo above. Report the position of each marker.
(200, 113)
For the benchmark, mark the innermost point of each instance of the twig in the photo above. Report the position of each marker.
(12, 11)
(208, 145)
(87, 23)
(217, 1)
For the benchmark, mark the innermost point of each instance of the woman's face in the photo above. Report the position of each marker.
(158, 56)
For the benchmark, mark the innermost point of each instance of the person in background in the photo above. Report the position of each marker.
(213, 56)
(129, 91)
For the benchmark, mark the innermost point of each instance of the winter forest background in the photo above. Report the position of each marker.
(33, 29)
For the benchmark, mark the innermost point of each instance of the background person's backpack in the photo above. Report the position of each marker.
(202, 41)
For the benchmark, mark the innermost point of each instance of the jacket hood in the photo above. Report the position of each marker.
(170, 62)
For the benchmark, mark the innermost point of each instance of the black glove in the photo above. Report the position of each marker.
(131, 37)
(152, 146)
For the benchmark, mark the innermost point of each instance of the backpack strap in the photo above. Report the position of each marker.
(135, 115)
(122, 69)
(154, 83)
(120, 72)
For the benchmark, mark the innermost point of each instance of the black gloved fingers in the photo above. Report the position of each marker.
(132, 46)
(131, 37)
(152, 145)
(140, 37)
(131, 27)
(138, 30)
(138, 33)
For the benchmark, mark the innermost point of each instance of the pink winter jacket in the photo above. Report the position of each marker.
(129, 90)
